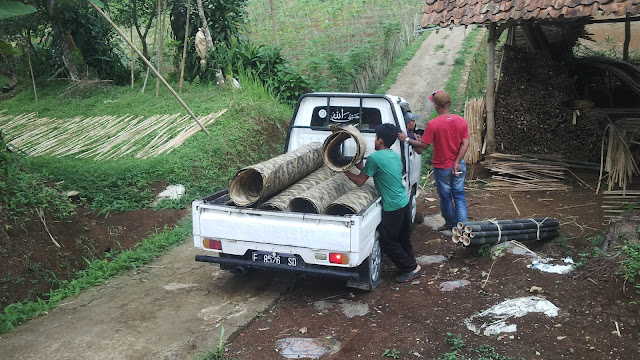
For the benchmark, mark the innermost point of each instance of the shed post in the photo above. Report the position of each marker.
(491, 79)
(627, 39)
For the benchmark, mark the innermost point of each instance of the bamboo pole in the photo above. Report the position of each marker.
(33, 80)
(131, 61)
(173, 92)
(627, 38)
(184, 47)
(490, 103)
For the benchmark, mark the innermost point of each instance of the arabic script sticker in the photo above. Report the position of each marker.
(322, 113)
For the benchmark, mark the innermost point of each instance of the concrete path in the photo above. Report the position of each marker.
(173, 308)
(429, 71)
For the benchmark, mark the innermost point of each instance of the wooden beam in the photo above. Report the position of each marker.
(627, 39)
(491, 85)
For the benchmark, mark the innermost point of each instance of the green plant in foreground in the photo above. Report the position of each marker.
(392, 353)
(217, 354)
(482, 352)
(630, 267)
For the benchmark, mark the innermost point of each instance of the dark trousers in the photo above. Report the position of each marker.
(394, 230)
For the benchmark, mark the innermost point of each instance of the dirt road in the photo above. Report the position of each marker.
(429, 70)
(174, 308)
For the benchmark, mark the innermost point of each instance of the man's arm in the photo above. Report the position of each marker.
(461, 152)
(358, 179)
(415, 143)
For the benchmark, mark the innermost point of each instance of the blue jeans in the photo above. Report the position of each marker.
(451, 192)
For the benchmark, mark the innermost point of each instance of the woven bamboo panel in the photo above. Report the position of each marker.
(281, 200)
(354, 201)
(333, 156)
(102, 137)
(258, 182)
(319, 197)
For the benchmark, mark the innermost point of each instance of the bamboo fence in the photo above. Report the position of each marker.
(101, 137)
(473, 113)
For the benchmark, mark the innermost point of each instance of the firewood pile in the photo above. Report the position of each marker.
(534, 112)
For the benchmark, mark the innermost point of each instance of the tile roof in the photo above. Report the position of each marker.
(466, 12)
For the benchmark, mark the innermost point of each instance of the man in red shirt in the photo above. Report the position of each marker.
(449, 135)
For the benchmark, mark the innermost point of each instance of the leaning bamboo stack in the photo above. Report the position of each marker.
(620, 163)
(499, 231)
(473, 113)
(524, 176)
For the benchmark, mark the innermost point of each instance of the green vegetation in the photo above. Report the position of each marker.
(630, 267)
(217, 354)
(400, 63)
(392, 353)
(341, 45)
(460, 350)
(96, 273)
(609, 47)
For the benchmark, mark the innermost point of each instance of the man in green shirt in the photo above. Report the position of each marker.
(385, 166)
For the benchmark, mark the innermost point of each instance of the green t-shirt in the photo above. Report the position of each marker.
(385, 167)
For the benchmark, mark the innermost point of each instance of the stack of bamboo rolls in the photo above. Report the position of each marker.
(499, 231)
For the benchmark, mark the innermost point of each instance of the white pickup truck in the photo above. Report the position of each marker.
(347, 247)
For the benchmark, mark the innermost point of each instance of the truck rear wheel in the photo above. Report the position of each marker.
(370, 270)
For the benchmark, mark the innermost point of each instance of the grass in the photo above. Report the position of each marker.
(400, 63)
(460, 350)
(251, 131)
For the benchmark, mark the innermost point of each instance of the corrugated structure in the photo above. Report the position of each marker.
(467, 12)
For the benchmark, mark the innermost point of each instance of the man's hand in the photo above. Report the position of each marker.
(456, 169)
(402, 136)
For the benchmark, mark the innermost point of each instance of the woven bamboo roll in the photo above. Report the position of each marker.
(332, 149)
(354, 201)
(281, 201)
(258, 182)
(316, 199)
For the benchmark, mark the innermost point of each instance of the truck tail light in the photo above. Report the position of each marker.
(338, 258)
(212, 244)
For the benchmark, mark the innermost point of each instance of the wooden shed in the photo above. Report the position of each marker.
(527, 15)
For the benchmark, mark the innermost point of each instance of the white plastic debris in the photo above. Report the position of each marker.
(497, 316)
(545, 266)
(304, 348)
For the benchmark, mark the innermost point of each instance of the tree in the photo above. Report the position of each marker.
(137, 13)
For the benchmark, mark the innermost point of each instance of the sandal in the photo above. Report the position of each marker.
(406, 277)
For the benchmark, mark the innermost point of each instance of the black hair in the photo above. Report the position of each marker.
(388, 133)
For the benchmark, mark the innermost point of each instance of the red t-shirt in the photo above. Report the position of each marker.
(445, 132)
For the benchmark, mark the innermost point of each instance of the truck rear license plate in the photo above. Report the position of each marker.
(272, 258)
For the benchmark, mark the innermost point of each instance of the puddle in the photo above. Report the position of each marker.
(496, 317)
(304, 348)
(349, 308)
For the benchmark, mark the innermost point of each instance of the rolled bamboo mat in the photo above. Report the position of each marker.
(316, 199)
(260, 181)
(473, 113)
(333, 148)
(354, 201)
(281, 200)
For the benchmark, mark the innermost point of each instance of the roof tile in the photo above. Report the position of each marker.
(465, 12)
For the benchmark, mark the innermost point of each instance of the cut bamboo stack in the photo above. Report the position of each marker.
(499, 231)
(524, 176)
(616, 202)
(473, 113)
(102, 137)
(620, 164)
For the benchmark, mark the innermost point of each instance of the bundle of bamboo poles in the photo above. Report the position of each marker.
(499, 231)
(473, 111)
(524, 176)
(616, 202)
(620, 164)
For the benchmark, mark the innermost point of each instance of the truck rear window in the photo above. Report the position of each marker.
(324, 116)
